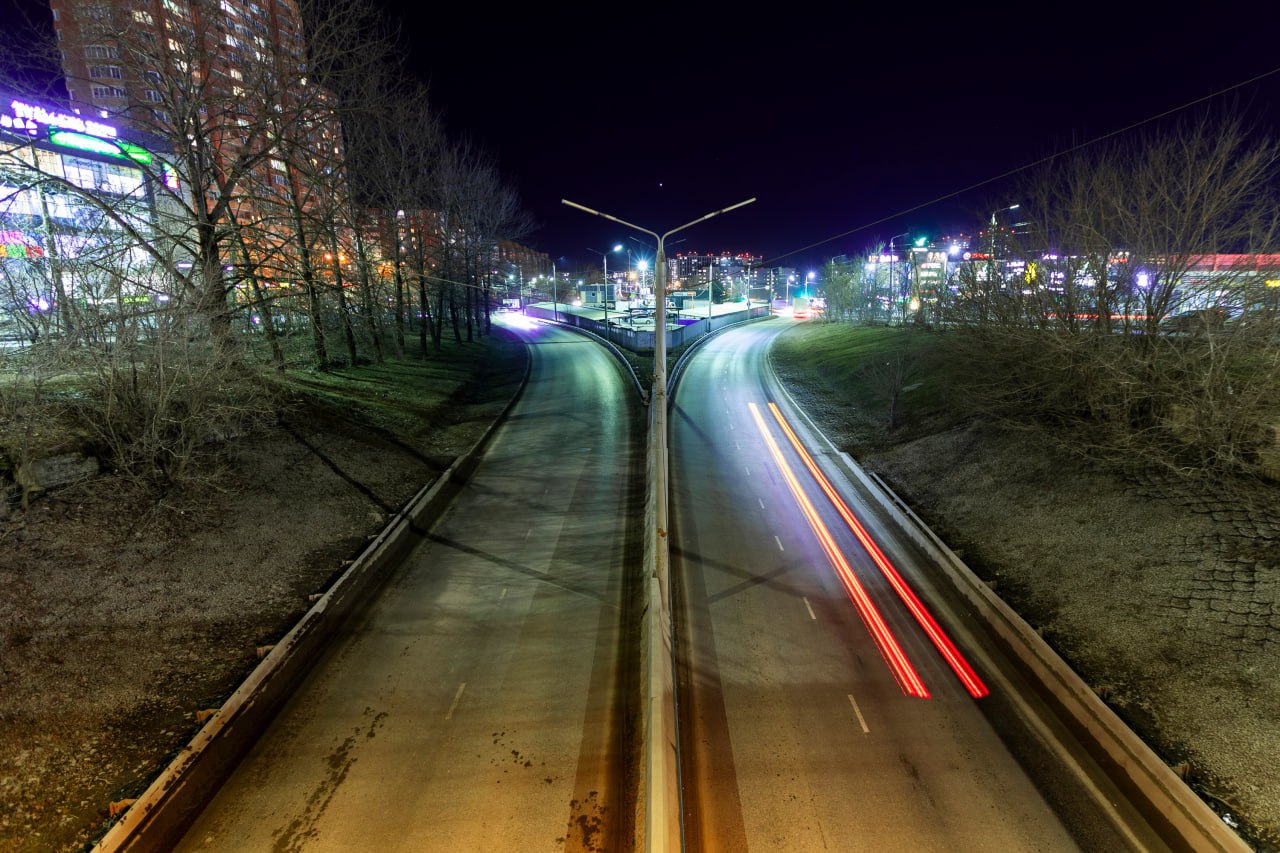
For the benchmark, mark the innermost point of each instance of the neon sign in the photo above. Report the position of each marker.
(29, 115)
(84, 142)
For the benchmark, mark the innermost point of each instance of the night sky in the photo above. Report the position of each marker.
(833, 120)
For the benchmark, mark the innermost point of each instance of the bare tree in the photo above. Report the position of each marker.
(1072, 325)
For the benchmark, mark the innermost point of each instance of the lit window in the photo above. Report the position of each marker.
(142, 17)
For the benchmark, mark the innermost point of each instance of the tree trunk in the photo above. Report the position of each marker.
(344, 312)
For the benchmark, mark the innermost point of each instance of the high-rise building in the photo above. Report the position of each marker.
(734, 274)
(226, 84)
(127, 59)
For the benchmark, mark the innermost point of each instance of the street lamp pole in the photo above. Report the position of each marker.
(660, 285)
(605, 262)
(711, 289)
(656, 768)
(893, 282)
(995, 224)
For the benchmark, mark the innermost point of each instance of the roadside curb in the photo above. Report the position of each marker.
(159, 817)
(1173, 810)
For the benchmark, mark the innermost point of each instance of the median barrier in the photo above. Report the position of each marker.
(658, 793)
(157, 820)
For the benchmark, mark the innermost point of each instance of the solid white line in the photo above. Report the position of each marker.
(861, 721)
(779, 541)
(809, 607)
(458, 695)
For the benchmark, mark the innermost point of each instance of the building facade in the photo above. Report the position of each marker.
(81, 205)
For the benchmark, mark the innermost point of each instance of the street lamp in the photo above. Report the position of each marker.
(893, 259)
(660, 315)
(604, 257)
(994, 223)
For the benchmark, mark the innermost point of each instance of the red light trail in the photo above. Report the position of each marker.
(908, 680)
(968, 677)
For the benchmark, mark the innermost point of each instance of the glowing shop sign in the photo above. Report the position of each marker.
(26, 114)
(84, 142)
(17, 244)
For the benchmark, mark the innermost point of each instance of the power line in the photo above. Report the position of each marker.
(1031, 165)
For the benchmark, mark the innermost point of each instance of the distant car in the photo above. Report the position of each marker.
(1190, 322)
(1260, 315)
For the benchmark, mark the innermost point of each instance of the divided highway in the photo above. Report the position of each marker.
(480, 702)
(819, 708)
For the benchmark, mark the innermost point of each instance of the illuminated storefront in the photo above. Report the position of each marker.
(75, 196)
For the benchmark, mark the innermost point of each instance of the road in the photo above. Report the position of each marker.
(799, 730)
(479, 703)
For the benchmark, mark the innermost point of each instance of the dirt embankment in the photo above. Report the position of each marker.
(125, 610)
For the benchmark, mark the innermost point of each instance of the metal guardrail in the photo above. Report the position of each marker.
(158, 818)
(645, 341)
(1171, 808)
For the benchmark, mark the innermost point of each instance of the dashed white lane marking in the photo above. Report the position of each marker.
(504, 594)
(809, 607)
(759, 501)
(856, 710)
(457, 696)
(779, 541)
(747, 468)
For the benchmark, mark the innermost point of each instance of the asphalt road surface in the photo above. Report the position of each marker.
(478, 704)
(815, 711)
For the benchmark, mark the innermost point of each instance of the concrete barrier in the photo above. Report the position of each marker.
(571, 321)
(658, 793)
(158, 819)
